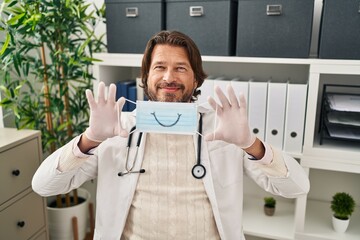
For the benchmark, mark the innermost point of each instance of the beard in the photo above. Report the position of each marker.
(170, 97)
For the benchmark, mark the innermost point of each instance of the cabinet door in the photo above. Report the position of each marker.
(17, 167)
(22, 219)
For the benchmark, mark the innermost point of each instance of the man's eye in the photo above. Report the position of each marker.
(159, 67)
(181, 69)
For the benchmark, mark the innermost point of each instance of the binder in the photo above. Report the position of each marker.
(257, 108)
(275, 118)
(132, 95)
(295, 117)
(139, 90)
(207, 89)
(122, 90)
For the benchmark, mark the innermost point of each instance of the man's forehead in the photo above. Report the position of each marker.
(164, 53)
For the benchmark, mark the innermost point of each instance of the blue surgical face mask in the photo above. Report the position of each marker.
(166, 117)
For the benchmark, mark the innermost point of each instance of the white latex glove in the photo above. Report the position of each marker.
(232, 126)
(104, 115)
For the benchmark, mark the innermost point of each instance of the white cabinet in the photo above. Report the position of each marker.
(22, 212)
(332, 166)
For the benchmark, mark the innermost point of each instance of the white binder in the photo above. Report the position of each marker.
(275, 118)
(295, 117)
(257, 108)
(207, 89)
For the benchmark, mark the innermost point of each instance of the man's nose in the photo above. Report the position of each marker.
(169, 76)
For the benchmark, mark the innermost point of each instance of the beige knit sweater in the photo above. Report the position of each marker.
(169, 203)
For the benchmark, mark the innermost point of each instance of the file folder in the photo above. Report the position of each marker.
(257, 108)
(275, 118)
(295, 117)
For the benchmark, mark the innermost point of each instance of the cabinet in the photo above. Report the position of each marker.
(22, 212)
(332, 167)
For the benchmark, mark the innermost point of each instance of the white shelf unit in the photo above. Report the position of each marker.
(308, 217)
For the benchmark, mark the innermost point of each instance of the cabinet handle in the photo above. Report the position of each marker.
(196, 11)
(21, 224)
(274, 10)
(16, 172)
(132, 12)
(274, 132)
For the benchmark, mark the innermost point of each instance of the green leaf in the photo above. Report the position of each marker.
(5, 45)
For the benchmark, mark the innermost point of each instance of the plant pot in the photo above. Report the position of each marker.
(340, 225)
(60, 219)
(269, 211)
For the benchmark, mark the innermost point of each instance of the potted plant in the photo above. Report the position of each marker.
(342, 205)
(46, 60)
(269, 206)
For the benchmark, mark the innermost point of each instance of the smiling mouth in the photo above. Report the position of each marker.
(171, 87)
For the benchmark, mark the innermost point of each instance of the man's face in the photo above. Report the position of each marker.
(171, 78)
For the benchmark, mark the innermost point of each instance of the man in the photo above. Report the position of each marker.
(151, 193)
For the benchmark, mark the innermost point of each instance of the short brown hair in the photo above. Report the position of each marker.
(174, 38)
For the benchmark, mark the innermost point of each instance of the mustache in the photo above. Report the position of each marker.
(171, 85)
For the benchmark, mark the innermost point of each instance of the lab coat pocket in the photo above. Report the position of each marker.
(227, 165)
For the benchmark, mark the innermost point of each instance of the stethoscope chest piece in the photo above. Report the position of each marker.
(198, 171)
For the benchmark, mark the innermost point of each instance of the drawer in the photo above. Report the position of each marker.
(276, 28)
(211, 24)
(42, 236)
(17, 167)
(340, 34)
(131, 23)
(22, 219)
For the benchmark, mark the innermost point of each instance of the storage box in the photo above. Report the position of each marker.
(340, 30)
(130, 24)
(274, 28)
(211, 24)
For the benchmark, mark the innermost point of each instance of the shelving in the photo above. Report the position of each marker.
(305, 217)
(280, 226)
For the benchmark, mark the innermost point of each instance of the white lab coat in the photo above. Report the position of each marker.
(225, 165)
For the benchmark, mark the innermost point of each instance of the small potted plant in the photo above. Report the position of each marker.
(342, 205)
(269, 206)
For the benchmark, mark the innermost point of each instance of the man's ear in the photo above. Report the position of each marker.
(196, 84)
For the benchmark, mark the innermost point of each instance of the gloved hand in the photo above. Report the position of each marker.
(104, 115)
(232, 126)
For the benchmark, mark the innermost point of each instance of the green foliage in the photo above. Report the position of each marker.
(270, 202)
(342, 205)
(46, 60)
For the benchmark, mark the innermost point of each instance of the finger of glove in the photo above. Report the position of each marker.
(101, 93)
(214, 105)
(213, 136)
(242, 103)
(221, 96)
(90, 98)
(232, 97)
(120, 104)
(112, 94)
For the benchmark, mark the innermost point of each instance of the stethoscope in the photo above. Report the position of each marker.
(198, 171)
